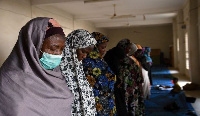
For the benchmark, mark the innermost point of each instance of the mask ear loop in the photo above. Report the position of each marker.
(41, 51)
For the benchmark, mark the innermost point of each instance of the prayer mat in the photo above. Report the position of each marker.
(158, 100)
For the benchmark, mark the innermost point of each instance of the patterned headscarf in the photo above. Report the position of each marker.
(84, 102)
(100, 38)
(101, 78)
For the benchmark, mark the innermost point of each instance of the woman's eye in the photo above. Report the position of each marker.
(53, 48)
(62, 49)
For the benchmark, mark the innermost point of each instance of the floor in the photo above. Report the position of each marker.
(195, 93)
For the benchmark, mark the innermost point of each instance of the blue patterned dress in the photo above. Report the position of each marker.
(102, 80)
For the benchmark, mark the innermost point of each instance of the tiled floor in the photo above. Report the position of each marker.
(195, 93)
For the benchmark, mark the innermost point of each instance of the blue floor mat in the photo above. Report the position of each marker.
(159, 99)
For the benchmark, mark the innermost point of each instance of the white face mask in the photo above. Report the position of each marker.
(50, 61)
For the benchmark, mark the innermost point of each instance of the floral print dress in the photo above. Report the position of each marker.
(102, 80)
(131, 79)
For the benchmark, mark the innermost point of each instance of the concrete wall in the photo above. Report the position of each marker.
(156, 37)
(80, 24)
(175, 43)
(16, 13)
(186, 17)
(199, 28)
(180, 36)
(194, 42)
(189, 17)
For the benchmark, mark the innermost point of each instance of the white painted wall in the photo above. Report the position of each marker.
(80, 24)
(64, 19)
(199, 28)
(194, 42)
(175, 43)
(156, 37)
(13, 15)
(16, 13)
(186, 17)
(180, 35)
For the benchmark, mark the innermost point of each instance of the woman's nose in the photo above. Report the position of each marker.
(84, 56)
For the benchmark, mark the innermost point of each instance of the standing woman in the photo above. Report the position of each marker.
(131, 78)
(139, 56)
(100, 77)
(31, 82)
(78, 44)
(114, 57)
(149, 61)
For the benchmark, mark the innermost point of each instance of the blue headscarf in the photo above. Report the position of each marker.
(146, 53)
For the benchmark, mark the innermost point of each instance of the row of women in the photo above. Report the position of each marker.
(48, 74)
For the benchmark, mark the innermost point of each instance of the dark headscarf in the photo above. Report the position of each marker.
(123, 44)
(139, 55)
(26, 88)
(54, 30)
(114, 55)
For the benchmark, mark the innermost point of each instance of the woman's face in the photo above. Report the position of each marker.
(102, 48)
(128, 49)
(54, 45)
(82, 52)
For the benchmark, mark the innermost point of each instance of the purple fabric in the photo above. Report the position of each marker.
(26, 88)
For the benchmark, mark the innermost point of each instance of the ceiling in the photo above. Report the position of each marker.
(118, 13)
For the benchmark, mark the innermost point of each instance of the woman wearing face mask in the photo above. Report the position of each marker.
(31, 82)
(100, 77)
(79, 43)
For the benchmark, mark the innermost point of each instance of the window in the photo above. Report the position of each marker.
(186, 51)
(178, 44)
